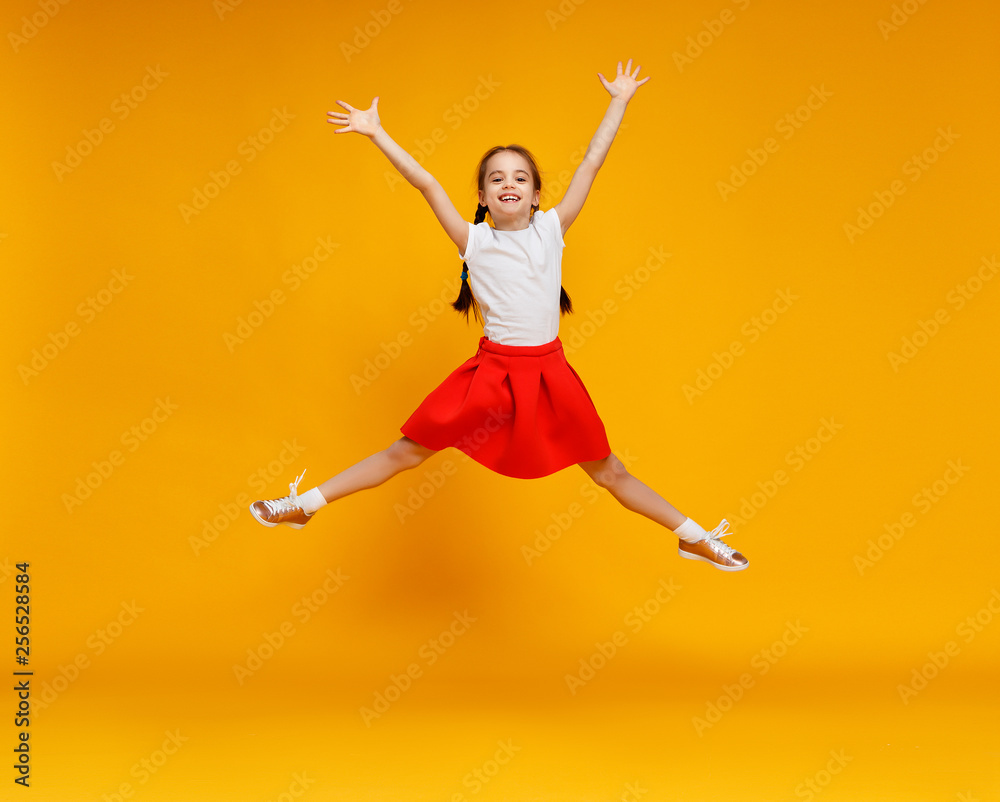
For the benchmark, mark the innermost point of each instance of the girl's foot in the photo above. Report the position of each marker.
(286, 510)
(714, 551)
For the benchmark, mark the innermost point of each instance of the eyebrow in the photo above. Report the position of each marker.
(501, 171)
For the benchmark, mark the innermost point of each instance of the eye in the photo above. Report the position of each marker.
(522, 178)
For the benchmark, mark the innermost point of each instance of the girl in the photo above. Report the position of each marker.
(517, 406)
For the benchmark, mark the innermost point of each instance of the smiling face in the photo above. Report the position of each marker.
(509, 190)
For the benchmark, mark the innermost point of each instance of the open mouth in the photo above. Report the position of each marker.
(509, 199)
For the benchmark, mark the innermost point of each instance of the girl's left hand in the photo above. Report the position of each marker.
(624, 85)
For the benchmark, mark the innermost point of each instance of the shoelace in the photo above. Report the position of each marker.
(289, 502)
(717, 545)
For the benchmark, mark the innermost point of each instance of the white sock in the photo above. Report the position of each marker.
(689, 531)
(312, 500)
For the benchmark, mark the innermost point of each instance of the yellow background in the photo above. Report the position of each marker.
(854, 631)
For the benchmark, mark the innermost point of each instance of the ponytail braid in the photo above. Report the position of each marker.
(565, 304)
(465, 300)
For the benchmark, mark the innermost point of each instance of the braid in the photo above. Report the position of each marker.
(565, 304)
(465, 301)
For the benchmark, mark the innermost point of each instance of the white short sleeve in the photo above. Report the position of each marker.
(557, 223)
(472, 246)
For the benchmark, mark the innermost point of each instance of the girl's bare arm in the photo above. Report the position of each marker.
(621, 91)
(368, 123)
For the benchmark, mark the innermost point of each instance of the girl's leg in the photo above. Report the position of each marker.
(633, 494)
(610, 474)
(372, 471)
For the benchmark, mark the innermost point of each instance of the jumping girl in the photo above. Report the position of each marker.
(517, 406)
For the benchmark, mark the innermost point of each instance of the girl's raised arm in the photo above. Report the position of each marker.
(621, 91)
(368, 123)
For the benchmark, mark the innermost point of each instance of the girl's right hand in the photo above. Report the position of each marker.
(362, 122)
(624, 85)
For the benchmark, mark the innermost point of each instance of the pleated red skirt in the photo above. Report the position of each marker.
(521, 411)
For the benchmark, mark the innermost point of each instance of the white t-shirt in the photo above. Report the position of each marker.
(515, 276)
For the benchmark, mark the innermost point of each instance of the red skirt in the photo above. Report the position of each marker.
(520, 410)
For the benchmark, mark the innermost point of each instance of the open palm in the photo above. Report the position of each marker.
(624, 84)
(363, 122)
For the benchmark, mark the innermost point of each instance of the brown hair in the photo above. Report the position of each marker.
(465, 300)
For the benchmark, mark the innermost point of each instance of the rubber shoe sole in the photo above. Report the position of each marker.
(688, 556)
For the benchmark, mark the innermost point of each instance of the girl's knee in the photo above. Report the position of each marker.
(408, 453)
(608, 472)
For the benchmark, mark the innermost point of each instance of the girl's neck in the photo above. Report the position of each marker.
(525, 227)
